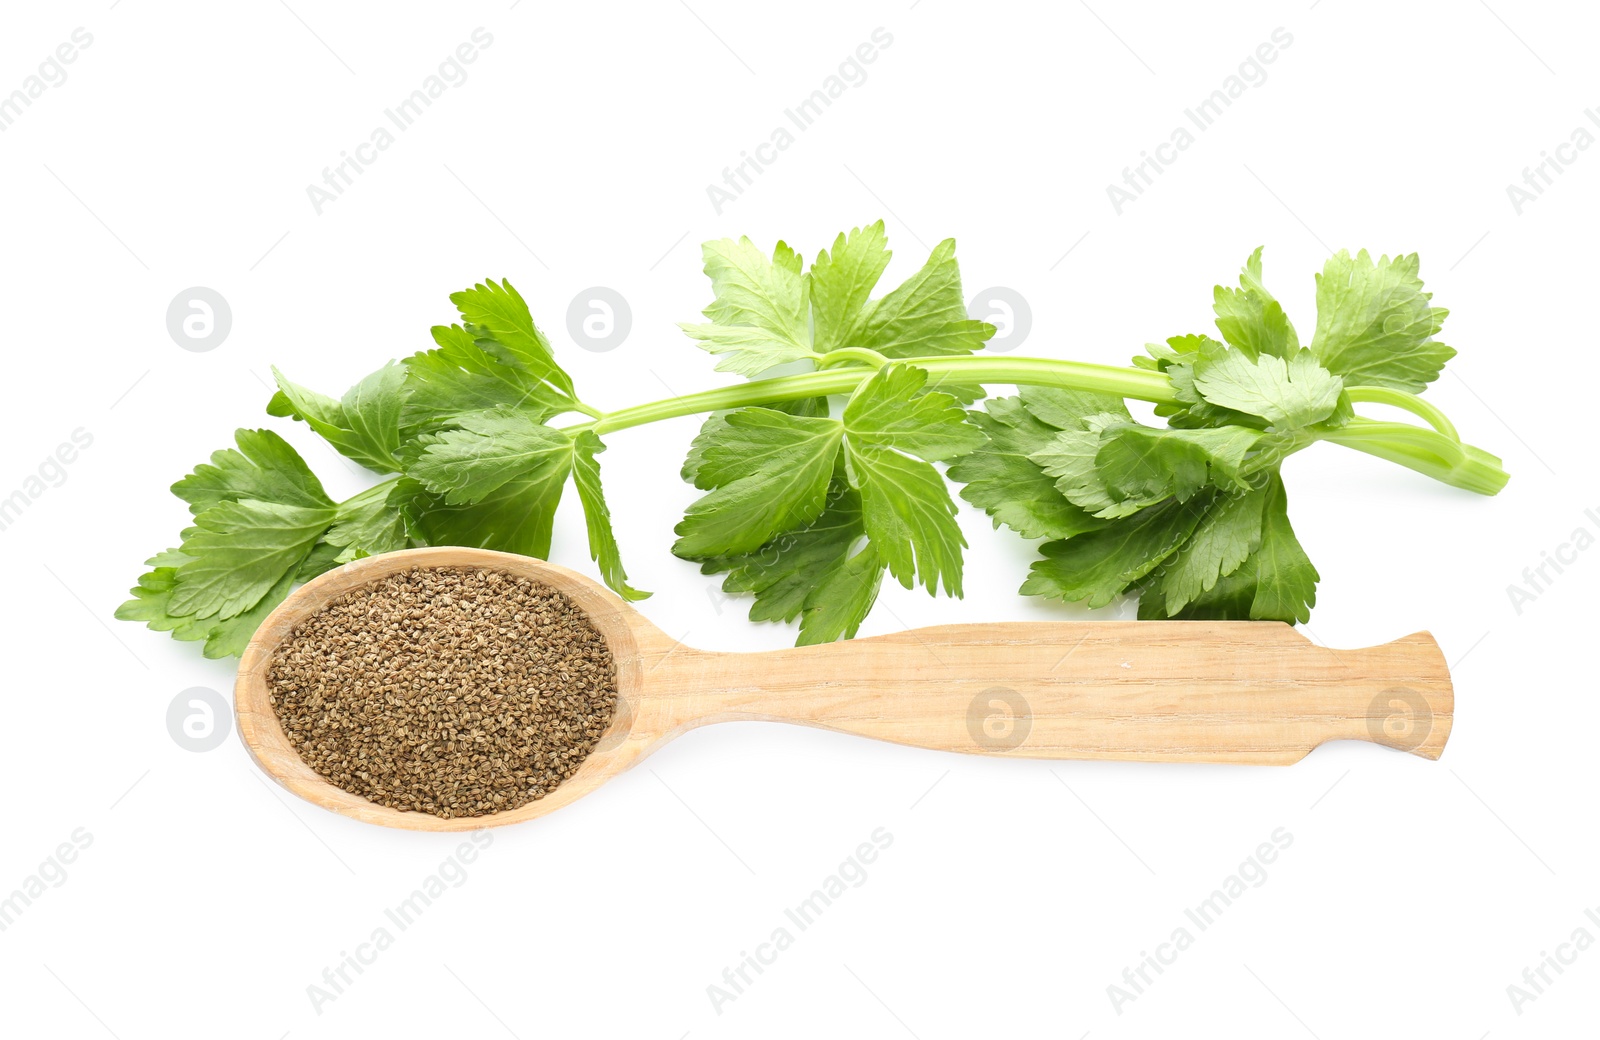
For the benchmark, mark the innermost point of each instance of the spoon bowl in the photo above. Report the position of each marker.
(1160, 691)
(631, 638)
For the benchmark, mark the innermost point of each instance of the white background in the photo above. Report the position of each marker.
(577, 153)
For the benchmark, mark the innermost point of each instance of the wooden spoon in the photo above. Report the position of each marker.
(1154, 691)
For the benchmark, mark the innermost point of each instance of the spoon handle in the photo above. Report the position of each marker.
(1170, 691)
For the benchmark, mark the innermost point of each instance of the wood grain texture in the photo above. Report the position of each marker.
(1156, 691)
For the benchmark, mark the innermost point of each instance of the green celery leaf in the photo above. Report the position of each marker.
(1375, 326)
(1196, 413)
(597, 517)
(892, 426)
(1176, 350)
(1067, 409)
(926, 314)
(964, 393)
(229, 637)
(1001, 479)
(767, 313)
(152, 597)
(712, 431)
(745, 349)
(223, 638)
(1099, 565)
(1183, 350)
(1138, 463)
(781, 573)
(1250, 319)
(744, 442)
(1112, 467)
(1277, 582)
(260, 513)
(1229, 599)
(367, 525)
(518, 516)
(841, 286)
(1178, 359)
(909, 516)
(410, 502)
(484, 450)
(1225, 537)
(843, 597)
(1288, 394)
(264, 468)
(890, 410)
(323, 557)
(819, 572)
(461, 376)
(372, 411)
(499, 321)
(241, 550)
(810, 407)
(767, 472)
(761, 313)
(364, 426)
(1070, 459)
(1343, 411)
(1286, 581)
